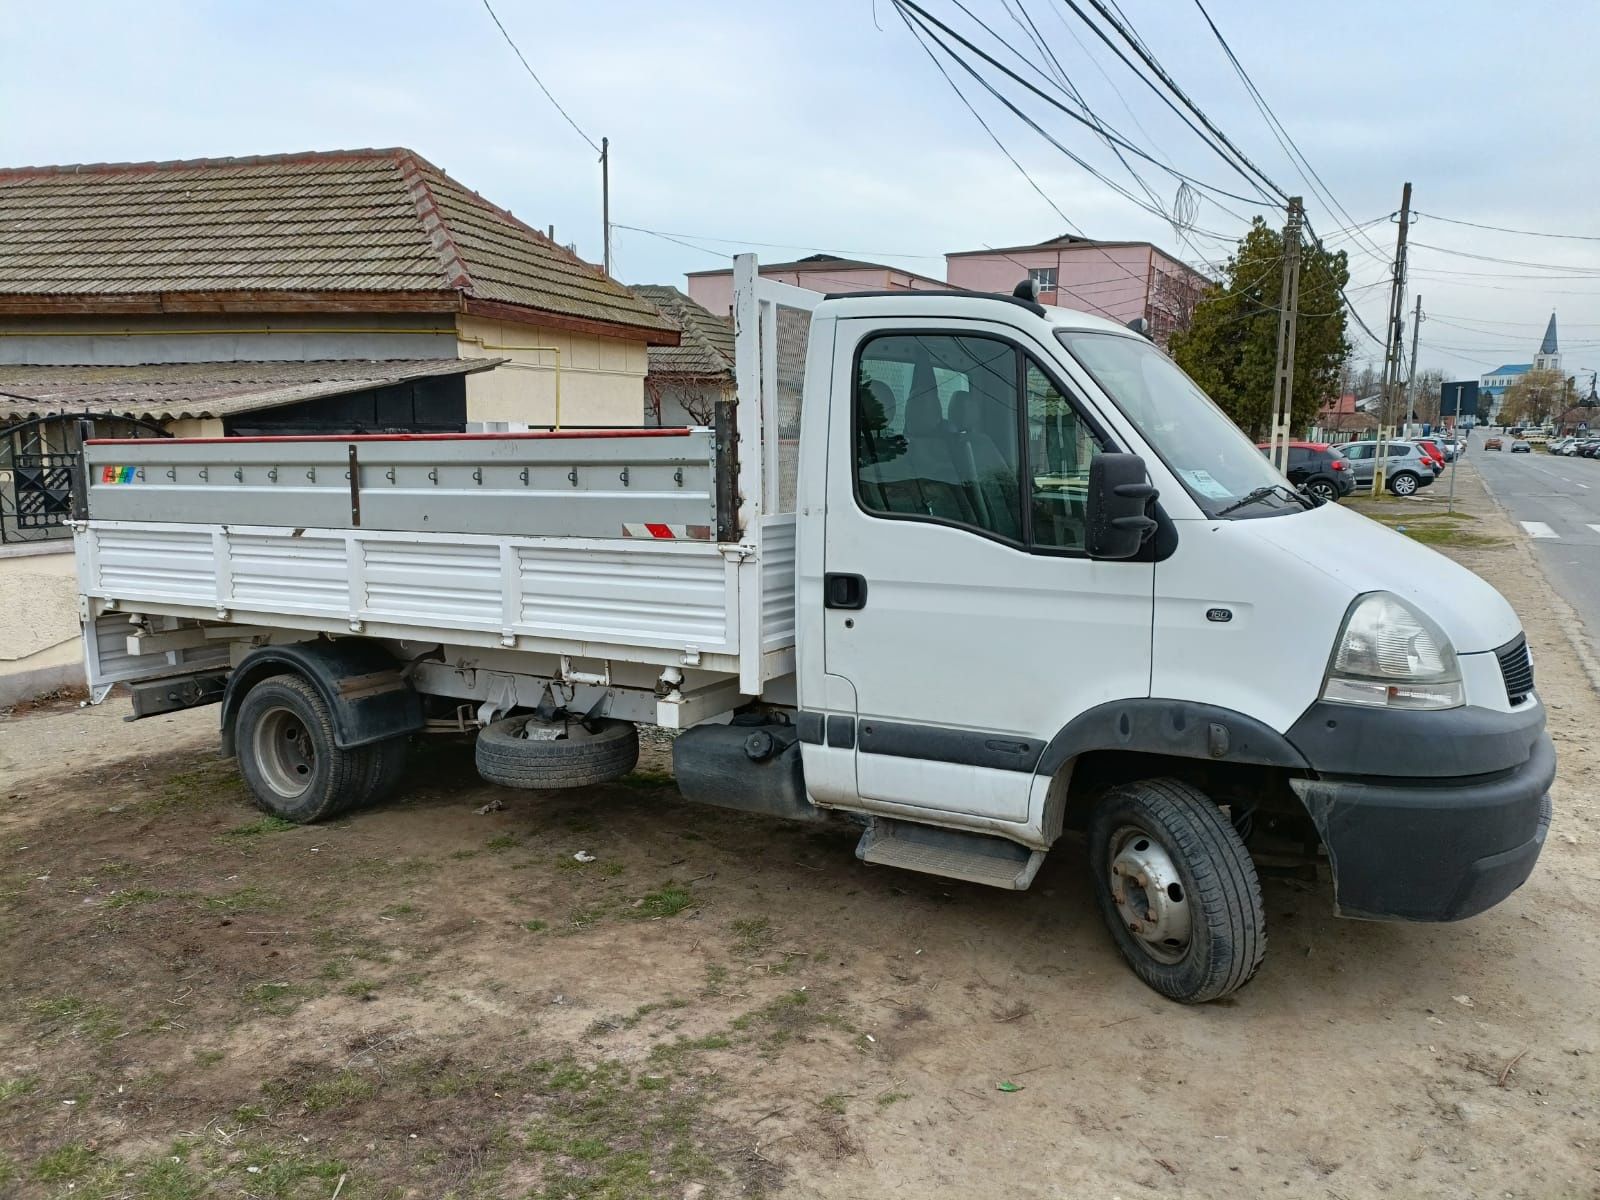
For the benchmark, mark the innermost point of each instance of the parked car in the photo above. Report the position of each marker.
(1521, 447)
(1407, 470)
(1559, 446)
(1492, 444)
(1319, 470)
(1432, 449)
(1588, 447)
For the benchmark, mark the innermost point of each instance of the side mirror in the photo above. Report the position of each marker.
(1120, 503)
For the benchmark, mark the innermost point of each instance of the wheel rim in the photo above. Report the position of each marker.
(1404, 485)
(1150, 896)
(1323, 491)
(284, 752)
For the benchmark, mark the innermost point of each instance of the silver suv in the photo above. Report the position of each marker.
(1408, 468)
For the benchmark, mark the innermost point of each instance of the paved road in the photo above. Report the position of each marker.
(1556, 501)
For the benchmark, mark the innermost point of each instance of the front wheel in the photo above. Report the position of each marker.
(1177, 889)
(1403, 484)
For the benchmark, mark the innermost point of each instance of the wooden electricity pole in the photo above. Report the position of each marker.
(1288, 304)
(1393, 347)
(1411, 375)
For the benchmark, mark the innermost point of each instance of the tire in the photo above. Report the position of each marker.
(293, 769)
(1323, 492)
(1404, 483)
(573, 758)
(1215, 927)
(388, 760)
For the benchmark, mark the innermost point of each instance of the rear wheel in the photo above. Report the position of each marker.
(1403, 484)
(1322, 491)
(1177, 889)
(287, 754)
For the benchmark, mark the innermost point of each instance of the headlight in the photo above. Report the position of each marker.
(1389, 655)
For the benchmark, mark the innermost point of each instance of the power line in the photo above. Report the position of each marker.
(1575, 237)
(1510, 262)
(1284, 138)
(532, 74)
(925, 19)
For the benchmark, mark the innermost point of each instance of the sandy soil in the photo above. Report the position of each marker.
(425, 1000)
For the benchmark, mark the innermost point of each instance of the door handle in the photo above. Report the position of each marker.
(844, 591)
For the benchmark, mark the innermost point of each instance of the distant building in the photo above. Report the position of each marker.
(1118, 280)
(1495, 383)
(825, 273)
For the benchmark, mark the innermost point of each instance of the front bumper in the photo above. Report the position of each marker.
(1432, 850)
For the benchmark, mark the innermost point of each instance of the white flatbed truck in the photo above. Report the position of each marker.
(957, 569)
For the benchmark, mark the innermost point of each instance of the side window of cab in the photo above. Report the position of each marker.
(969, 431)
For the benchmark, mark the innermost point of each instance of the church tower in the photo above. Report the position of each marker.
(1549, 356)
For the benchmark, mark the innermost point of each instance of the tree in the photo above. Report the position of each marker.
(1534, 398)
(1427, 395)
(1231, 345)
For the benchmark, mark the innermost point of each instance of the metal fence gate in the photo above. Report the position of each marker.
(39, 460)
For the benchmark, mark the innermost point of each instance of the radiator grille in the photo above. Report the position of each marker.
(1517, 669)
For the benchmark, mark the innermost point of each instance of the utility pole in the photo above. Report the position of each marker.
(1393, 347)
(1288, 304)
(605, 200)
(1411, 375)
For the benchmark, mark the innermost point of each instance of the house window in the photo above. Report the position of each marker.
(1044, 278)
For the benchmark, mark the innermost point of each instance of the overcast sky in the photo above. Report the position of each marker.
(824, 126)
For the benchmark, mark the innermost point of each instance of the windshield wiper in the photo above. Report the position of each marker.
(1261, 493)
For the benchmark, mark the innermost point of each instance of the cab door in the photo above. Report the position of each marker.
(958, 600)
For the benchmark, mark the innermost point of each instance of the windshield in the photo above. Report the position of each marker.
(1216, 463)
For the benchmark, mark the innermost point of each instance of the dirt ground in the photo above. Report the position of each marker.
(431, 1000)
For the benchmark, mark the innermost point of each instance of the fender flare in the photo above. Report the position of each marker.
(1177, 728)
(364, 688)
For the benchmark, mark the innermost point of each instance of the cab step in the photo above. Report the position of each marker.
(974, 857)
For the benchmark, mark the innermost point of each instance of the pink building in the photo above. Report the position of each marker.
(1117, 280)
(818, 273)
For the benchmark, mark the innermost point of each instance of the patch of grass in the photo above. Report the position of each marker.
(612, 869)
(70, 1014)
(17, 1087)
(275, 998)
(648, 778)
(361, 989)
(282, 1171)
(605, 1135)
(130, 897)
(675, 1051)
(1437, 535)
(786, 1017)
(339, 1090)
(668, 902)
(259, 827)
(169, 1178)
(752, 935)
(245, 899)
(833, 1102)
(502, 841)
(716, 976)
(585, 918)
(208, 1058)
(396, 911)
(535, 926)
(885, 1099)
(206, 787)
(64, 1163)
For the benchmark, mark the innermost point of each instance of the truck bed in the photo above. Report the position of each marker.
(605, 544)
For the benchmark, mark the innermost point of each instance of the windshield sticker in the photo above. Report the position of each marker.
(1202, 482)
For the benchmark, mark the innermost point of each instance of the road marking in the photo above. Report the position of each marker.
(1539, 529)
(1596, 528)
(1584, 486)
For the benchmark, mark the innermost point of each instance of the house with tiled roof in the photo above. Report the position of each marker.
(209, 294)
(685, 382)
